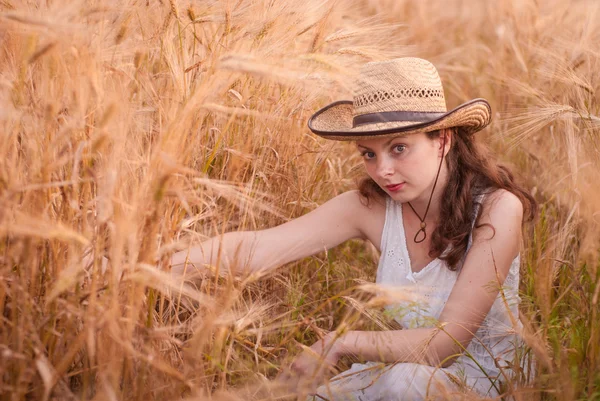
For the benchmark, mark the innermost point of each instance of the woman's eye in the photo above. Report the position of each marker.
(368, 155)
(399, 148)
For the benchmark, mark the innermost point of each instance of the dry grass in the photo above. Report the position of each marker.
(132, 128)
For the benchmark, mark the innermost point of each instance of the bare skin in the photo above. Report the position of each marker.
(341, 218)
(412, 161)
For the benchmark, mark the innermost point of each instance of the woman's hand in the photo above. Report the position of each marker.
(313, 364)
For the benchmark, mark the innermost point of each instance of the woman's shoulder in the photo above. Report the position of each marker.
(502, 211)
(373, 206)
(502, 202)
(373, 203)
(368, 213)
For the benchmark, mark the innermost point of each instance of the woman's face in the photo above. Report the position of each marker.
(404, 167)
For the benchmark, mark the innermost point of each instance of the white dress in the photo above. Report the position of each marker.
(481, 368)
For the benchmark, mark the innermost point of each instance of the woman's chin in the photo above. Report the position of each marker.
(398, 196)
(402, 196)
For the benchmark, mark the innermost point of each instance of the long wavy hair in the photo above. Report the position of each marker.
(472, 171)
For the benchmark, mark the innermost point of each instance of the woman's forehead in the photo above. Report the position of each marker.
(379, 142)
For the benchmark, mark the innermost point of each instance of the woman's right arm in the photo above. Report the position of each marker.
(341, 218)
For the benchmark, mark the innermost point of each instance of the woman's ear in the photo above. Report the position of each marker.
(445, 139)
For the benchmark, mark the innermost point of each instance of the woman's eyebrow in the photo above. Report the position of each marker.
(384, 145)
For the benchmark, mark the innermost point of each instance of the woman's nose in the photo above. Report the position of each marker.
(385, 167)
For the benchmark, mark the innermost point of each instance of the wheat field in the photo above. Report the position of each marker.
(131, 129)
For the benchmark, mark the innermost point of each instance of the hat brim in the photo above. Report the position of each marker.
(335, 122)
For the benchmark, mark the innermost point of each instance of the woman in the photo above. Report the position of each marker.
(447, 221)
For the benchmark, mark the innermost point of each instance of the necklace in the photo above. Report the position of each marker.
(417, 239)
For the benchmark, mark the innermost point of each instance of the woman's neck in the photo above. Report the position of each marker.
(420, 203)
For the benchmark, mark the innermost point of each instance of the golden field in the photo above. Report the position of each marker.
(132, 129)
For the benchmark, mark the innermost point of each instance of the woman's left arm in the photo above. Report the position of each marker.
(496, 242)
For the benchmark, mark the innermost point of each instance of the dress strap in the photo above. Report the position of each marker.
(390, 227)
(394, 261)
(478, 202)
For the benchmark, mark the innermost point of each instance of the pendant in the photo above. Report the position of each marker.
(420, 235)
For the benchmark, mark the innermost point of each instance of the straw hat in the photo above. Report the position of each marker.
(397, 97)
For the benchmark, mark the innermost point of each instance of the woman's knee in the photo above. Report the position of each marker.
(412, 381)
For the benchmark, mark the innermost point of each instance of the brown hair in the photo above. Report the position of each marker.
(471, 171)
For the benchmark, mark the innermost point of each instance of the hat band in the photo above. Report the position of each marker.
(395, 116)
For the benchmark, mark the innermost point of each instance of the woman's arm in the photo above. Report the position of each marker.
(486, 266)
(342, 218)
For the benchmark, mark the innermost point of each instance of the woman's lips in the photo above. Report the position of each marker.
(395, 187)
